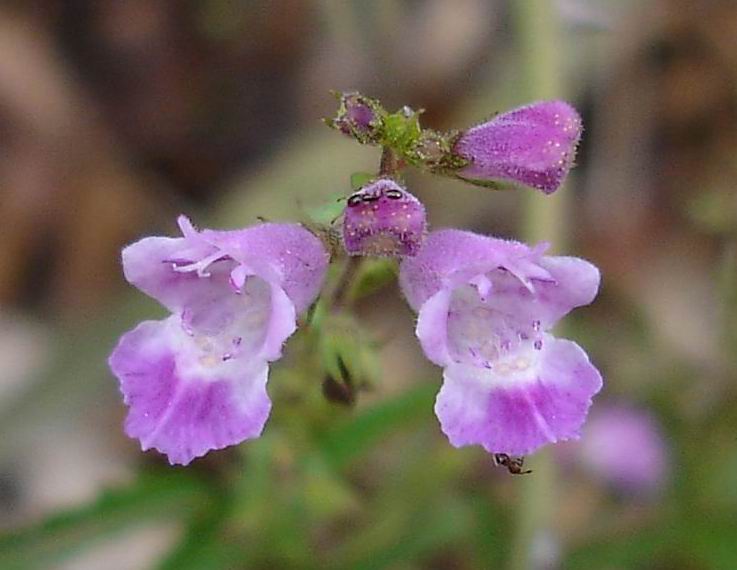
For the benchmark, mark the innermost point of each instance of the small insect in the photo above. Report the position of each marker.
(371, 197)
(513, 464)
(393, 194)
(354, 200)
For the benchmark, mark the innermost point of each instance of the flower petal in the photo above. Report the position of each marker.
(523, 281)
(175, 407)
(283, 254)
(432, 327)
(150, 263)
(518, 412)
(176, 271)
(282, 323)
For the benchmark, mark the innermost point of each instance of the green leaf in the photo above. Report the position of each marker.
(327, 211)
(374, 275)
(398, 538)
(160, 497)
(350, 440)
(360, 179)
(348, 355)
(204, 542)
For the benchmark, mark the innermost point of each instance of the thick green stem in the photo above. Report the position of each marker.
(544, 219)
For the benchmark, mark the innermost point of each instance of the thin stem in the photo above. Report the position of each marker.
(350, 269)
(540, 50)
(534, 540)
(390, 163)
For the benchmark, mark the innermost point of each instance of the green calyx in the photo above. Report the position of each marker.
(365, 120)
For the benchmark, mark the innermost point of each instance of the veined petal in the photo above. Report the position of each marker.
(181, 407)
(150, 264)
(432, 328)
(284, 254)
(523, 282)
(177, 271)
(282, 323)
(523, 402)
(575, 283)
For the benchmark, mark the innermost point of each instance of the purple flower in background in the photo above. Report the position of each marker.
(383, 219)
(196, 380)
(624, 446)
(532, 145)
(485, 308)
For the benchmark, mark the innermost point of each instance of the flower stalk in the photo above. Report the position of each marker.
(544, 218)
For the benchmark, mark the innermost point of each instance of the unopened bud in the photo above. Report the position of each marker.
(383, 219)
(358, 117)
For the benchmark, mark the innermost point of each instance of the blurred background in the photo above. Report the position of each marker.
(116, 115)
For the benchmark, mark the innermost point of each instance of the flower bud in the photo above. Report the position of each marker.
(533, 145)
(383, 219)
(358, 117)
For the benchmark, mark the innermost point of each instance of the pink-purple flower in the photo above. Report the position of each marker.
(383, 219)
(486, 307)
(625, 447)
(196, 380)
(534, 145)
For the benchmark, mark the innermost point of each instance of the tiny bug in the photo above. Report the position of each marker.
(513, 464)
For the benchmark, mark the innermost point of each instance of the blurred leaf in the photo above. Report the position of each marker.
(634, 550)
(374, 275)
(348, 355)
(326, 493)
(712, 540)
(350, 440)
(327, 211)
(204, 542)
(300, 172)
(360, 179)
(169, 496)
(396, 538)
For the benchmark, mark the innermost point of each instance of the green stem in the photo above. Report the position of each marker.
(544, 219)
(540, 51)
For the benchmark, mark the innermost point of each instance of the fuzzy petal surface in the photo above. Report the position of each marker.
(197, 380)
(534, 145)
(176, 270)
(522, 403)
(485, 306)
(383, 219)
(181, 409)
(521, 278)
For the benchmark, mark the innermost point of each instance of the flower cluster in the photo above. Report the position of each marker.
(196, 381)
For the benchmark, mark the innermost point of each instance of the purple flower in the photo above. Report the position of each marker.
(485, 309)
(383, 219)
(624, 446)
(196, 380)
(532, 145)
